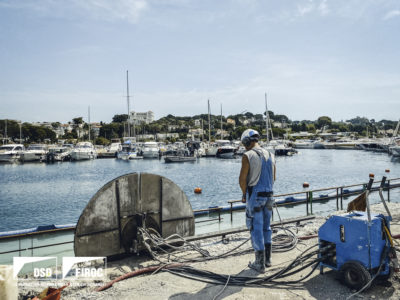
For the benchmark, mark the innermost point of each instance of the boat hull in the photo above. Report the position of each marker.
(150, 154)
(179, 159)
(79, 155)
(31, 156)
(4, 157)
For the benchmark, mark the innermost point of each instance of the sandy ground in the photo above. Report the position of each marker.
(164, 285)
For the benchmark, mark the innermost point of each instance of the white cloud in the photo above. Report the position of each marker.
(306, 8)
(125, 10)
(323, 8)
(392, 14)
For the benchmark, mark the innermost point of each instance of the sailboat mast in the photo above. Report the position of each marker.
(266, 118)
(202, 130)
(127, 100)
(209, 122)
(5, 135)
(221, 123)
(89, 120)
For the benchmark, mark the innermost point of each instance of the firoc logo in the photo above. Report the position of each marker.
(85, 267)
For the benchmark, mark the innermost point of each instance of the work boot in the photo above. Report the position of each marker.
(258, 264)
(268, 255)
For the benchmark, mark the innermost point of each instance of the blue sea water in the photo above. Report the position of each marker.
(33, 194)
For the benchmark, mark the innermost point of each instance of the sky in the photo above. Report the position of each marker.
(313, 58)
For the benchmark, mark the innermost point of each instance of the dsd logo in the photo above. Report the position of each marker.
(43, 268)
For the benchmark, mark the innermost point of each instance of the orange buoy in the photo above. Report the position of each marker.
(387, 170)
(197, 190)
(371, 175)
(306, 185)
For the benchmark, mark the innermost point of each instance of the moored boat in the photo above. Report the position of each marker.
(225, 149)
(34, 152)
(11, 152)
(83, 151)
(150, 150)
(128, 152)
(178, 156)
(59, 153)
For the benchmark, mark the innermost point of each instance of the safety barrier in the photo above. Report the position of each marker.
(304, 197)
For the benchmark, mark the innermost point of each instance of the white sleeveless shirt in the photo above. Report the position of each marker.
(255, 164)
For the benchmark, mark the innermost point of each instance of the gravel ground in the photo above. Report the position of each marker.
(164, 285)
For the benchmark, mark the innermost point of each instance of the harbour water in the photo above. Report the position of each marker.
(34, 194)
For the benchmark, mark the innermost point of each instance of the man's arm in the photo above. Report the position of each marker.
(244, 171)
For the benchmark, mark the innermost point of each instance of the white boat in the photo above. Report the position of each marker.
(83, 151)
(211, 149)
(225, 149)
(128, 152)
(346, 144)
(321, 144)
(110, 151)
(150, 150)
(11, 152)
(303, 144)
(34, 152)
(284, 150)
(58, 153)
(372, 145)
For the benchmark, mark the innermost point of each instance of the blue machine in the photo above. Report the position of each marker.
(359, 245)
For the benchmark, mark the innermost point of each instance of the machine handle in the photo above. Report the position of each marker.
(383, 182)
(371, 181)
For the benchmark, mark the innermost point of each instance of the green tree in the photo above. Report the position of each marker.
(77, 121)
(55, 125)
(311, 128)
(120, 118)
(102, 141)
(323, 121)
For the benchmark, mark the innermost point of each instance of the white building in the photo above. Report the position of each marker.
(138, 118)
(196, 131)
(164, 136)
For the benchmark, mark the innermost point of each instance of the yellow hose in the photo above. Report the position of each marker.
(389, 236)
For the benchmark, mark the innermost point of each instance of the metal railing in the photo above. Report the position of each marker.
(309, 199)
(339, 194)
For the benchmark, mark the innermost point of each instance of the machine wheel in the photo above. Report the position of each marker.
(355, 275)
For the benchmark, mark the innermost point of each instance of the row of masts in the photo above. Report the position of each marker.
(267, 119)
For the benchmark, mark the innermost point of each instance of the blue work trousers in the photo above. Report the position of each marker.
(258, 220)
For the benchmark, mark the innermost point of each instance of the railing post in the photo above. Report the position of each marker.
(337, 198)
(341, 198)
(231, 212)
(388, 190)
(311, 198)
(219, 215)
(307, 202)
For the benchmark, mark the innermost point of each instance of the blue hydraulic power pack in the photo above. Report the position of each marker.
(359, 245)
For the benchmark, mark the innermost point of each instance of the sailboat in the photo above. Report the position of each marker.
(394, 147)
(212, 148)
(225, 149)
(272, 145)
(84, 150)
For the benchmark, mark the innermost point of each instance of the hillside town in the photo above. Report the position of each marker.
(144, 127)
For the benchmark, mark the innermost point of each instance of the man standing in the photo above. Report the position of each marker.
(256, 180)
